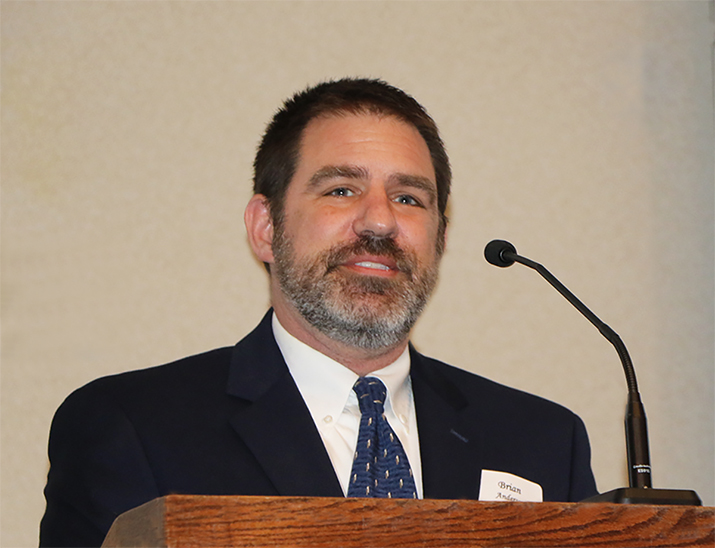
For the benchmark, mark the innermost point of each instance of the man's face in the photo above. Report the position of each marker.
(359, 244)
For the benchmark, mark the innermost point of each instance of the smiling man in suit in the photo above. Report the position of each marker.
(326, 397)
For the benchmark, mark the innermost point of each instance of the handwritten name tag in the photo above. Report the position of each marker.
(502, 486)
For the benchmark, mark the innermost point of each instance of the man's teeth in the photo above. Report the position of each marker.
(370, 264)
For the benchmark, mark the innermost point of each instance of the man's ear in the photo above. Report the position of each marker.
(259, 226)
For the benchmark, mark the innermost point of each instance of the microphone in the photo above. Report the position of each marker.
(503, 254)
(495, 250)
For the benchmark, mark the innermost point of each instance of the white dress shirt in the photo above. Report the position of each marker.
(327, 388)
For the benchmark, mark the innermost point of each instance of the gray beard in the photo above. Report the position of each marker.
(364, 312)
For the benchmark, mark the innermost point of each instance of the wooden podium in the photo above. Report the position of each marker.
(210, 521)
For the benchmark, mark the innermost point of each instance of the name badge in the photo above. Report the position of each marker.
(502, 486)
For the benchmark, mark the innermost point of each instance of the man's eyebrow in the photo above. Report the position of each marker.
(358, 172)
(336, 172)
(420, 183)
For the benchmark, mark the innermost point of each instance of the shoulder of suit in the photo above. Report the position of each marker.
(207, 371)
(476, 388)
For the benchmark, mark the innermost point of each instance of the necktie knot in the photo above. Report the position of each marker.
(371, 393)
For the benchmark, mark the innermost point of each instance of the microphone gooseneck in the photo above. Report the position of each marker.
(503, 254)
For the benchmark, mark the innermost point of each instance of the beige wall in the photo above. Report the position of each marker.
(582, 131)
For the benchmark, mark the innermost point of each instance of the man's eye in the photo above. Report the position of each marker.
(406, 199)
(341, 191)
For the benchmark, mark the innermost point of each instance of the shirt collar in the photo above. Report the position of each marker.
(326, 385)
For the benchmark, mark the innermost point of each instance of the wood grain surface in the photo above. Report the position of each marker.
(210, 521)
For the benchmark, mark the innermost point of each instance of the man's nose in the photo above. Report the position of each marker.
(376, 216)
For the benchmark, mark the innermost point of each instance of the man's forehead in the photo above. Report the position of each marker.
(327, 132)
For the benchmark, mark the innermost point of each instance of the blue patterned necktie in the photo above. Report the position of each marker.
(380, 468)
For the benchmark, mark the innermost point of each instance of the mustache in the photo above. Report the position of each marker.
(372, 245)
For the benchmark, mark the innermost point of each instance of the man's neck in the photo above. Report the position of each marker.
(359, 360)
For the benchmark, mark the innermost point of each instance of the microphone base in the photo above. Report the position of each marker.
(639, 495)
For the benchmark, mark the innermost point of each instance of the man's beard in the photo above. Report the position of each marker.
(363, 311)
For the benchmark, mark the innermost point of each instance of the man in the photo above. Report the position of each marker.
(351, 185)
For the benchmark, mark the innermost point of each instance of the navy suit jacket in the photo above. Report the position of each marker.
(232, 422)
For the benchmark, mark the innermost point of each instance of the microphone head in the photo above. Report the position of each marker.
(495, 251)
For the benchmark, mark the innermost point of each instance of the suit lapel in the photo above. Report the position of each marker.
(274, 421)
(275, 424)
(450, 449)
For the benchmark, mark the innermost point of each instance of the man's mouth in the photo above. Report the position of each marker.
(372, 265)
(376, 257)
